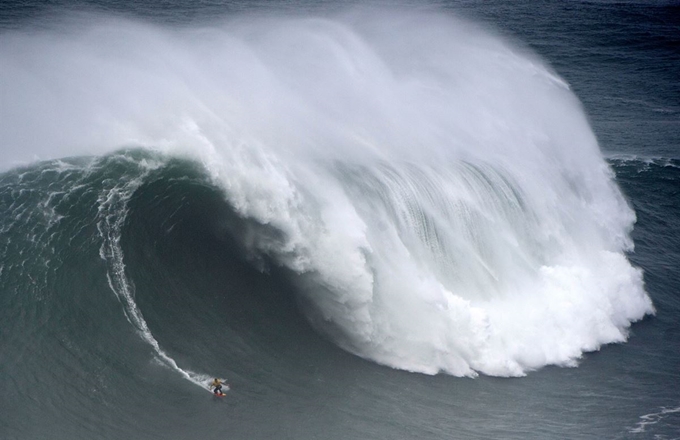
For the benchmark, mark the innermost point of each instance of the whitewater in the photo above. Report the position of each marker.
(435, 191)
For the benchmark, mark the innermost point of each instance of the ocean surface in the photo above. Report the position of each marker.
(423, 220)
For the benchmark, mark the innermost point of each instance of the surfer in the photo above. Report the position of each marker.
(217, 384)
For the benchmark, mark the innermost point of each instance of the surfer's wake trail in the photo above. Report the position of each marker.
(435, 192)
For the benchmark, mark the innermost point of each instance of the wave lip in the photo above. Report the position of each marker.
(437, 192)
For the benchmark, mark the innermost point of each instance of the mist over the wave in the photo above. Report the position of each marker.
(438, 192)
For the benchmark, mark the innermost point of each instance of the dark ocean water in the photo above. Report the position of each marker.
(189, 192)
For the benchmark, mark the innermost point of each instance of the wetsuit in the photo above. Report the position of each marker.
(218, 387)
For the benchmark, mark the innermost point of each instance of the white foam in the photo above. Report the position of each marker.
(652, 419)
(439, 192)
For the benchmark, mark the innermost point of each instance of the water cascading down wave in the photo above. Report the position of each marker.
(436, 192)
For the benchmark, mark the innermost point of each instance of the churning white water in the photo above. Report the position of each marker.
(437, 191)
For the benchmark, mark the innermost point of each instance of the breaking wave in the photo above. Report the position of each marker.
(435, 193)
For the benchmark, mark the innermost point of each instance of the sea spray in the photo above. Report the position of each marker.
(436, 192)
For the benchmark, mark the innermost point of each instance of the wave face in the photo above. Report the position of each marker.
(435, 193)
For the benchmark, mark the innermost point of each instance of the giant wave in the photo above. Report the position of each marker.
(435, 192)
